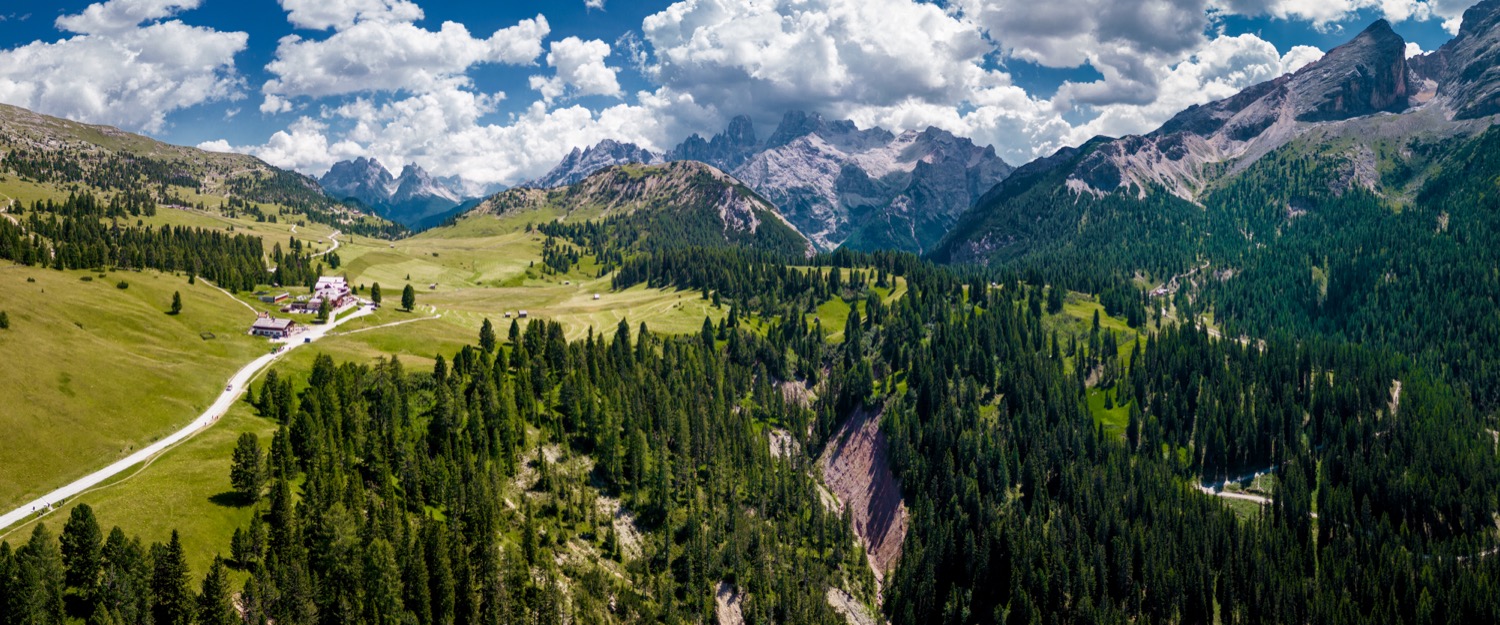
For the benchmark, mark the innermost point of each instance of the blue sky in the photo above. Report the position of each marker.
(496, 92)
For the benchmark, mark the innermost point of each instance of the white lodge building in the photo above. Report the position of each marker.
(331, 288)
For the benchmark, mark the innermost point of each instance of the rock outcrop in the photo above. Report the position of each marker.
(1468, 67)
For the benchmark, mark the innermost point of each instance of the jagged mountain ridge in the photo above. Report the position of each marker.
(838, 184)
(1355, 106)
(661, 205)
(413, 198)
(580, 164)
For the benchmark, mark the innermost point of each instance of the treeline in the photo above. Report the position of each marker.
(74, 235)
(101, 170)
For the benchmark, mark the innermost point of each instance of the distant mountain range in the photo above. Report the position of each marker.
(838, 184)
(415, 198)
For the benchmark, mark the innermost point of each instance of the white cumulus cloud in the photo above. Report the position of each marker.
(341, 14)
(117, 16)
(121, 72)
(578, 65)
(395, 56)
(445, 131)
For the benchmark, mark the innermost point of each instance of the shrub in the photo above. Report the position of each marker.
(122, 285)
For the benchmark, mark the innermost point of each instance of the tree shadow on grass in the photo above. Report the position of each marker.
(231, 499)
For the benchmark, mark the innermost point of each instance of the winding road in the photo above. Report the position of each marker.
(236, 387)
(332, 237)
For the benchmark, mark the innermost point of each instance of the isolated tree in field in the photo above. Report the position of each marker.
(487, 336)
(248, 473)
(4, 321)
(82, 549)
(375, 293)
(176, 302)
(172, 602)
(408, 297)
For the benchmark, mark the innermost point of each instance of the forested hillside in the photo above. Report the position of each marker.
(623, 478)
(68, 157)
(83, 232)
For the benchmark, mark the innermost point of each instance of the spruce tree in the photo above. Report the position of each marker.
(172, 601)
(82, 549)
(215, 606)
(4, 321)
(375, 293)
(176, 303)
(487, 337)
(408, 298)
(36, 590)
(247, 473)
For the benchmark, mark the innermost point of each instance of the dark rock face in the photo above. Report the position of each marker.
(1469, 65)
(579, 164)
(726, 150)
(1367, 75)
(794, 125)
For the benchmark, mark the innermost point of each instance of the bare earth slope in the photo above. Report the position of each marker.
(856, 467)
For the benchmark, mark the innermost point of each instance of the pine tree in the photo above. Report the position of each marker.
(408, 298)
(325, 310)
(214, 603)
(375, 293)
(36, 590)
(176, 303)
(247, 473)
(4, 321)
(382, 584)
(82, 549)
(172, 601)
(487, 337)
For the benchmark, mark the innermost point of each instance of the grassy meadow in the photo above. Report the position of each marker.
(94, 372)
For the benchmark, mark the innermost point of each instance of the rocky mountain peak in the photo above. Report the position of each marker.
(409, 199)
(364, 179)
(1468, 67)
(794, 125)
(740, 133)
(726, 150)
(414, 182)
(579, 164)
(1366, 75)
